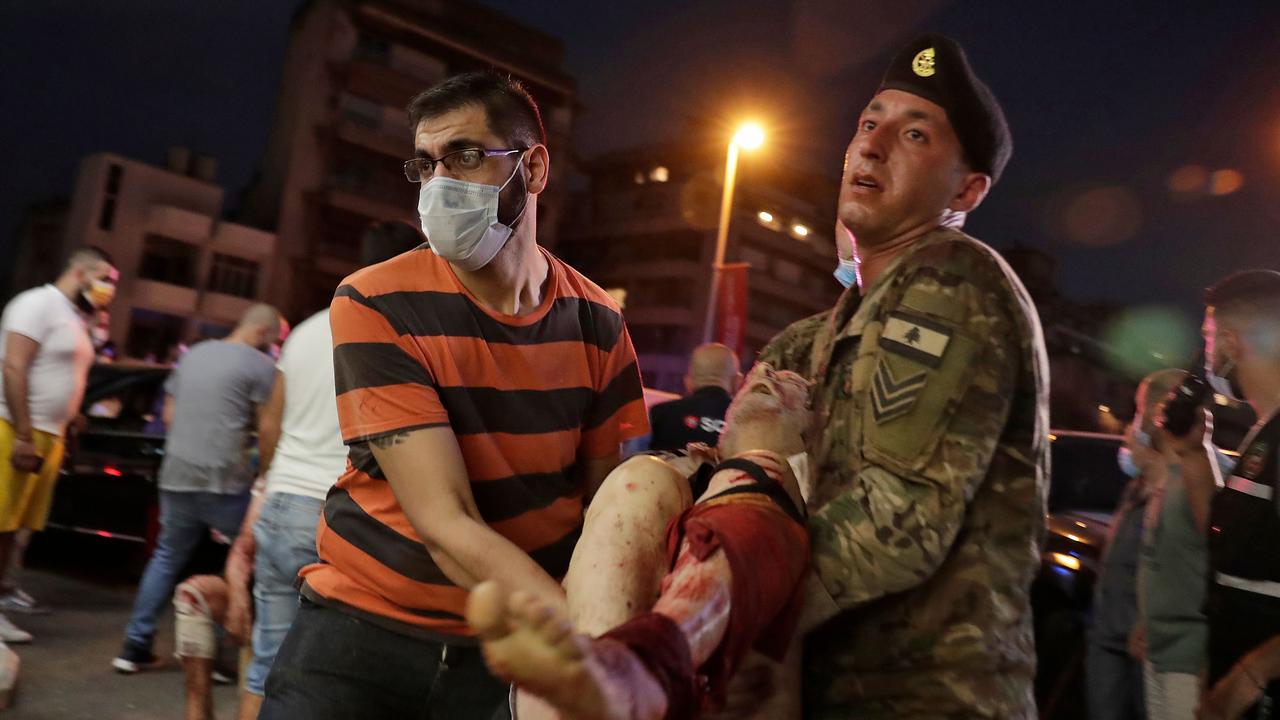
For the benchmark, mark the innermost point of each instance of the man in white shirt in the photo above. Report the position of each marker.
(301, 455)
(47, 351)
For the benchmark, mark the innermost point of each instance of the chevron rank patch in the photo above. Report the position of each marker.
(915, 338)
(892, 396)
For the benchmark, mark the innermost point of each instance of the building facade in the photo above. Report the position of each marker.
(648, 227)
(185, 274)
(340, 135)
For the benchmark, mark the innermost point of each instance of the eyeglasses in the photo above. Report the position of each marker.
(422, 169)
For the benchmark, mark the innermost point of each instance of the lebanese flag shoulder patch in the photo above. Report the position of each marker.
(915, 338)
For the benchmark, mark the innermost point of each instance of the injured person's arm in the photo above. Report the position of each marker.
(736, 560)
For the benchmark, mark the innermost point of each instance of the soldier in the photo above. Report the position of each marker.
(929, 455)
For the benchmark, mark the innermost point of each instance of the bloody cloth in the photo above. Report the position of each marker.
(663, 649)
(768, 554)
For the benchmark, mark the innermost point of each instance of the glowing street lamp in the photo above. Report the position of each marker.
(748, 137)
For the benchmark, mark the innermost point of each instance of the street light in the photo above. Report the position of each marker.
(748, 137)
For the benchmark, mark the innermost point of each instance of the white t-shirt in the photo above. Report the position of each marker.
(310, 455)
(56, 380)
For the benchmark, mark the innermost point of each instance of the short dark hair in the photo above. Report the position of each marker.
(89, 255)
(384, 240)
(510, 109)
(1250, 291)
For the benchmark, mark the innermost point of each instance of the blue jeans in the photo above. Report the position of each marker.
(286, 537)
(185, 519)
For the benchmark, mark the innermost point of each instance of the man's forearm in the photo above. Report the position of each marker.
(15, 396)
(470, 552)
(859, 556)
(268, 437)
(1264, 661)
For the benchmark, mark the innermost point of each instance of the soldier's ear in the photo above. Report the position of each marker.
(973, 189)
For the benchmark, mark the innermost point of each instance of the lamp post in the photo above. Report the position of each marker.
(748, 137)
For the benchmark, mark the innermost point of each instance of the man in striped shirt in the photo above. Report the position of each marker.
(483, 387)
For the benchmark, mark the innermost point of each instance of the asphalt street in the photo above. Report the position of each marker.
(66, 672)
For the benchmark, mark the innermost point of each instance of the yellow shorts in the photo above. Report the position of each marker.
(25, 497)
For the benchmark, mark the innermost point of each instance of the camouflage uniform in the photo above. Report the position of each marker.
(929, 459)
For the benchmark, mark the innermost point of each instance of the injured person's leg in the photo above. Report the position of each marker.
(735, 560)
(200, 604)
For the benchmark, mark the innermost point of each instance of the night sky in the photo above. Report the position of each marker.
(1104, 102)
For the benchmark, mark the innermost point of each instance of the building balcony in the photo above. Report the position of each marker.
(243, 241)
(363, 205)
(812, 301)
(618, 273)
(179, 223)
(227, 309)
(398, 145)
(380, 83)
(662, 315)
(164, 297)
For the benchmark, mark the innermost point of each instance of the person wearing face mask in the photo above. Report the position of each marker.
(1113, 666)
(214, 396)
(483, 390)
(1239, 508)
(47, 351)
(929, 455)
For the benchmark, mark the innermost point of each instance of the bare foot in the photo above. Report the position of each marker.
(533, 645)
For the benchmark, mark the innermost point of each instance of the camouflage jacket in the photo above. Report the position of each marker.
(929, 464)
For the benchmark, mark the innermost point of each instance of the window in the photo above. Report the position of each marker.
(755, 257)
(114, 175)
(787, 271)
(232, 275)
(107, 216)
(360, 111)
(373, 49)
(666, 292)
(169, 261)
(215, 331)
(153, 335)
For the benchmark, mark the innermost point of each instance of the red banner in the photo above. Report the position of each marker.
(731, 307)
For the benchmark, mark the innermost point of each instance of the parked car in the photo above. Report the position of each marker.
(1085, 487)
(108, 482)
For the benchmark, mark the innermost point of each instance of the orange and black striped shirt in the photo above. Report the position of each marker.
(526, 396)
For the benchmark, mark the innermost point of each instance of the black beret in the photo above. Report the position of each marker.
(934, 67)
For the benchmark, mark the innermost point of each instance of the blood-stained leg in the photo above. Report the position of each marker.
(618, 564)
(645, 667)
(200, 603)
(602, 678)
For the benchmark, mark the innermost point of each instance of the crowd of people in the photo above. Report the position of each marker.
(1185, 621)
(442, 524)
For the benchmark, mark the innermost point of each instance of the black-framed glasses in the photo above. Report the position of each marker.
(422, 169)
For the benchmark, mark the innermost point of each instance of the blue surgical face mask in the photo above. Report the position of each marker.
(1127, 465)
(847, 273)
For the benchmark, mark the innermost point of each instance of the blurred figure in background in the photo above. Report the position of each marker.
(301, 454)
(1242, 361)
(214, 396)
(47, 351)
(1113, 673)
(713, 378)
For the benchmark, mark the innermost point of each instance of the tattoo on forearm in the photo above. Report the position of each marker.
(386, 441)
